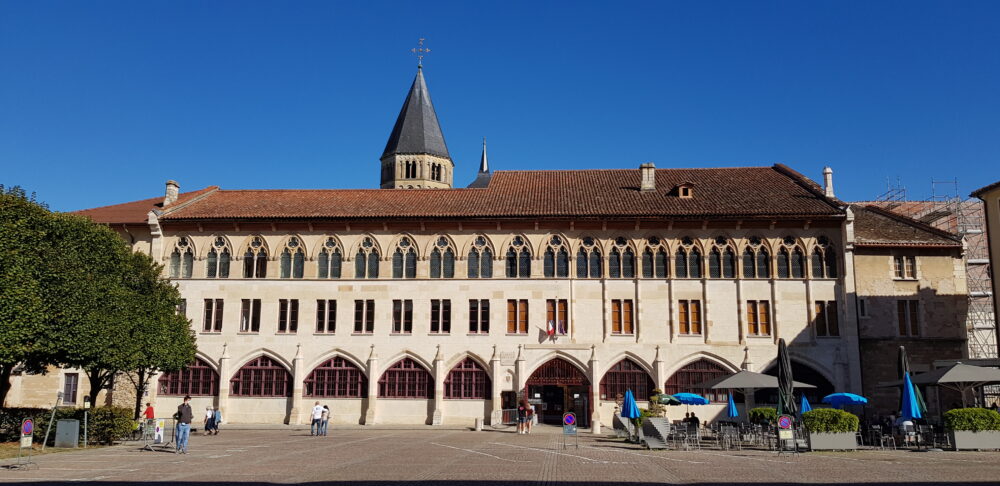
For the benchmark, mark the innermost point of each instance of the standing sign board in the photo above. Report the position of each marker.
(27, 433)
(786, 434)
(569, 428)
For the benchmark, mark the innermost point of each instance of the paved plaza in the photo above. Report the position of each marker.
(426, 456)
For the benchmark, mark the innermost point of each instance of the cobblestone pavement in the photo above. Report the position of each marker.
(428, 456)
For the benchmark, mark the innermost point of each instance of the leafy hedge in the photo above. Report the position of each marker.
(104, 424)
(763, 414)
(830, 420)
(972, 419)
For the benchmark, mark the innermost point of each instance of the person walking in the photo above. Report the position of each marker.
(324, 420)
(531, 418)
(209, 420)
(184, 416)
(218, 420)
(317, 419)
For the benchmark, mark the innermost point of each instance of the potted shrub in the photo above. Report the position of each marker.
(761, 415)
(831, 429)
(973, 428)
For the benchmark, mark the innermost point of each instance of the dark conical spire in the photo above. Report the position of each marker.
(417, 130)
(483, 177)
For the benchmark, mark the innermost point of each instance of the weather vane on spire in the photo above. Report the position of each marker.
(420, 51)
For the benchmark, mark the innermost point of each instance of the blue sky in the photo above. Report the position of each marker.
(101, 102)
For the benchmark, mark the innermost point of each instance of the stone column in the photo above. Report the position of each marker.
(439, 375)
(595, 391)
(659, 370)
(519, 371)
(496, 374)
(225, 374)
(370, 416)
(298, 377)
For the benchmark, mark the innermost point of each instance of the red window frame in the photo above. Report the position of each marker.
(684, 379)
(406, 379)
(261, 377)
(336, 378)
(626, 375)
(467, 381)
(196, 379)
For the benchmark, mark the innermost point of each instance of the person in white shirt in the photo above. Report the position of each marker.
(317, 420)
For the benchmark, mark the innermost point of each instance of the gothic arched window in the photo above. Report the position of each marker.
(467, 381)
(588, 260)
(218, 259)
(366, 261)
(293, 259)
(791, 261)
(261, 377)
(182, 259)
(255, 259)
(756, 260)
(824, 260)
(406, 379)
(626, 375)
(442, 259)
(518, 259)
(196, 379)
(336, 378)
(330, 260)
(556, 263)
(480, 260)
(688, 259)
(692, 374)
(654, 259)
(404, 259)
(621, 260)
(722, 260)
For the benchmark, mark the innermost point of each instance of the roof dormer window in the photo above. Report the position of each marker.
(684, 190)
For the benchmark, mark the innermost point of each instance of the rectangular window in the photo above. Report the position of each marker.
(326, 316)
(689, 317)
(827, 324)
(556, 316)
(213, 316)
(517, 316)
(182, 308)
(364, 316)
(288, 315)
(863, 308)
(906, 312)
(904, 267)
(479, 316)
(441, 316)
(758, 318)
(250, 316)
(621, 317)
(71, 381)
(402, 316)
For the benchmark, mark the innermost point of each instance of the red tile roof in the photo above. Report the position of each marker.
(136, 212)
(719, 193)
(982, 190)
(878, 227)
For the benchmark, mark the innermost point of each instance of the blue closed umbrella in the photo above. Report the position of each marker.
(691, 399)
(840, 399)
(911, 407)
(804, 406)
(629, 408)
(731, 410)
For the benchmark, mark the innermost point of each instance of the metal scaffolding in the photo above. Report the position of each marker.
(947, 210)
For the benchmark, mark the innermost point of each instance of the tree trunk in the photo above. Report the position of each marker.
(98, 381)
(141, 379)
(5, 371)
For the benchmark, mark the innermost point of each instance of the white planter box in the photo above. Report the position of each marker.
(984, 439)
(842, 441)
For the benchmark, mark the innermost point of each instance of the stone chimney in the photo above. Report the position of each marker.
(173, 189)
(648, 171)
(828, 182)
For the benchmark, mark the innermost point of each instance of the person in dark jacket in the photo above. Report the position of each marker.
(184, 416)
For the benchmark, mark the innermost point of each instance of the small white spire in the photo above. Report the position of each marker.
(828, 182)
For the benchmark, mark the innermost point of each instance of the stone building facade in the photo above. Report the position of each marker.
(911, 289)
(441, 306)
(990, 195)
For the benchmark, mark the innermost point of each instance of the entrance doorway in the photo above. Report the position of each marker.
(558, 387)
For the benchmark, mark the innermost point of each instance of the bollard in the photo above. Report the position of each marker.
(479, 424)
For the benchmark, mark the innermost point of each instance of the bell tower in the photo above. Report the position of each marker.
(416, 156)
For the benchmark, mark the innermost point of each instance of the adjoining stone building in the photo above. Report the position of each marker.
(990, 195)
(441, 306)
(911, 291)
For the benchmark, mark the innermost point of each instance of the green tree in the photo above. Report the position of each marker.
(92, 301)
(162, 338)
(24, 318)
